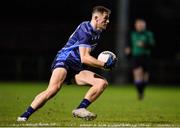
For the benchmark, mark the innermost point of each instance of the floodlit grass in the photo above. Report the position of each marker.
(117, 106)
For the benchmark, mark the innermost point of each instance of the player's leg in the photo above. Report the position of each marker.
(138, 74)
(56, 80)
(146, 67)
(97, 83)
(145, 64)
(146, 79)
(146, 76)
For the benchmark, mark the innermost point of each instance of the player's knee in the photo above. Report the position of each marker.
(105, 84)
(102, 85)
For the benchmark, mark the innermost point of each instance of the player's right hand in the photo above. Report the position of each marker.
(140, 44)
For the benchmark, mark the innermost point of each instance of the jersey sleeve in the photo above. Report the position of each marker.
(151, 38)
(84, 38)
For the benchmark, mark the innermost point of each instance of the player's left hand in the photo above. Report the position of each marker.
(110, 64)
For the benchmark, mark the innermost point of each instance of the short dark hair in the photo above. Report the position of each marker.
(140, 19)
(101, 9)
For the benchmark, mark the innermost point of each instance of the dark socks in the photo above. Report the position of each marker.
(84, 103)
(28, 112)
(140, 85)
(145, 84)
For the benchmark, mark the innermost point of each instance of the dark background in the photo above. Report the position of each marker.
(31, 33)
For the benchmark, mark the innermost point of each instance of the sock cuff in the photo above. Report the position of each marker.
(86, 100)
(30, 109)
(84, 103)
(138, 81)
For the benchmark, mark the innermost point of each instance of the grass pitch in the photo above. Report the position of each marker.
(117, 106)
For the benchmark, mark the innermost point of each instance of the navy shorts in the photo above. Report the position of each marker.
(141, 61)
(72, 68)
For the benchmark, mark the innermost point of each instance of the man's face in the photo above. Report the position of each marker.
(140, 25)
(102, 20)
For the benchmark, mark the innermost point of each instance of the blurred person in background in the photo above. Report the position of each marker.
(139, 48)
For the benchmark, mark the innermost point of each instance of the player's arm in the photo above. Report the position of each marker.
(150, 41)
(87, 59)
(127, 48)
(85, 49)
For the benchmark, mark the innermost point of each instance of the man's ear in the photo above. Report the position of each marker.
(96, 18)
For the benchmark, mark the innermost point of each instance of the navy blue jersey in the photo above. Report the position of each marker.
(69, 56)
